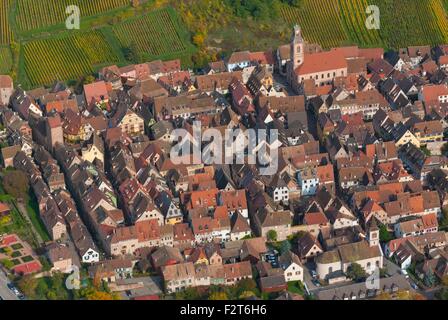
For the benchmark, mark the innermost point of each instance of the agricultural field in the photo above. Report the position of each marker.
(155, 34)
(166, 29)
(320, 20)
(5, 60)
(66, 57)
(5, 30)
(332, 23)
(32, 14)
(419, 22)
(354, 16)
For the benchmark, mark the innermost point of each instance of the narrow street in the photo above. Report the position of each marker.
(5, 293)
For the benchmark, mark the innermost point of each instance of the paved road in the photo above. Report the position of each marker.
(391, 268)
(5, 293)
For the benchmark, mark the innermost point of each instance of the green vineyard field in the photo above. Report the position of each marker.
(156, 30)
(155, 34)
(32, 14)
(320, 21)
(67, 57)
(5, 60)
(419, 22)
(5, 30)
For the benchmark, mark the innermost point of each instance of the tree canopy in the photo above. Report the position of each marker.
(16, 183)
(356, 272)
(272, 235)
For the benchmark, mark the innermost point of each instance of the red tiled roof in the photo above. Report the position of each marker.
(262, 57)
(6, 81)
(55, 121)
(323, 90)
(95, 91)
(430, 220)
(315, 218)
(325, 173)
(431, 93)
(372, 53)
(321, 62)
(443, 60)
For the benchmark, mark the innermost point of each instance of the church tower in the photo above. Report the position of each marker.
(297, 55)
(297, 48)
(374, 233)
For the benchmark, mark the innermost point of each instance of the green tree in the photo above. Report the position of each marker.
(218, 296)
(89, 79)
(7, 264)
(272, 235)
(131, 53)
(247, 285)
(442, 294)
(189, 294)
(445, 281)
(57, 284)
(28, 285)
(385, 235)
(285, 247)
(384, 296)
(444, 220)
(426, 151)
(246, 295)
(41, 289)
(16, 183)
(52, 295)
(356, 272)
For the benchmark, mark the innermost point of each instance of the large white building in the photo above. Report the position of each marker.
(366, 253)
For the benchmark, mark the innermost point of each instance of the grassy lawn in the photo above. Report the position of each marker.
(17, 246)
(19, 226)
(27, 259)
(33, 212)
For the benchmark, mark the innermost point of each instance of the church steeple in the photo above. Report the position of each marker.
(297, 47)
(374, 233)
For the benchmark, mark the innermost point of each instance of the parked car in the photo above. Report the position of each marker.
(414, 286)
(314, 274)
(316, 282)
(405, 273)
